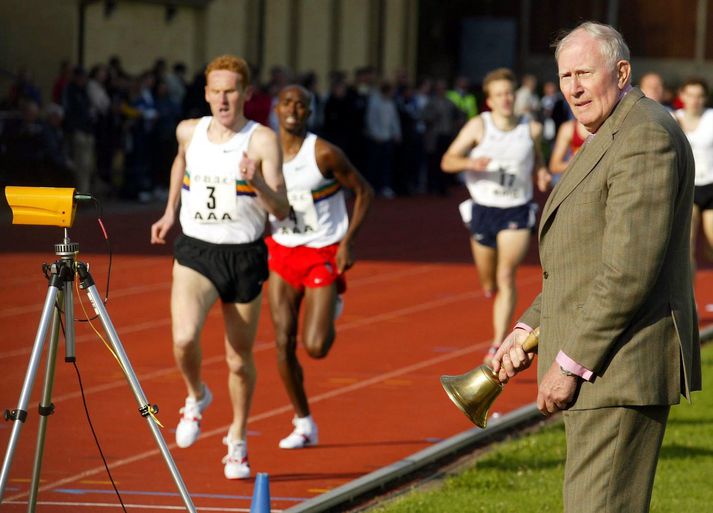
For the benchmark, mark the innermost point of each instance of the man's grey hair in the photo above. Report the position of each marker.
(612, 43)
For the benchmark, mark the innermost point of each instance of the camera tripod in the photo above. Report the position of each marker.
(61, 275)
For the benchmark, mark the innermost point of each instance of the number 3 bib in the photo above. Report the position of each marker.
(213, 199)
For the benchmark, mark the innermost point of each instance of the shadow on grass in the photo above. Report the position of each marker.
(681, 452)
(543, 452)
(510, 464)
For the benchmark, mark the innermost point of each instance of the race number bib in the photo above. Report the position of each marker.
(303, 213)
(213, 199)
(504, 172)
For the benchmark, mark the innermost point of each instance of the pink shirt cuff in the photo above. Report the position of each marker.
(522, 326)
(570, 365)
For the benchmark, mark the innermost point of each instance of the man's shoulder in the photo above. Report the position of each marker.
(323, 146)
(646, 110)
(185, 129)
(326, 154)
(190, 123)
(263, 135)
(648, 122)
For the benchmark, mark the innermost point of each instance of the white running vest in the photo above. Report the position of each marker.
(507, 182)
(318, 213)
(701, 140)
(216, 206)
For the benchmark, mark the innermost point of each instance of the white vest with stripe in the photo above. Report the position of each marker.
(216, 206)
(507, 182)
(318, 213)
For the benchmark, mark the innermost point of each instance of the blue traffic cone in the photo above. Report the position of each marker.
(261, 494)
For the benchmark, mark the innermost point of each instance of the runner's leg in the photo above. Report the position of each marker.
(192, 295)
(285, 309)
(241, 321)
(512, 248)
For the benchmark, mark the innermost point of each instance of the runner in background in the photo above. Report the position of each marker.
(310, 250)
(498, 152)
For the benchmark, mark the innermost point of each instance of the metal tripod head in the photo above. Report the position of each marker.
(67, 250)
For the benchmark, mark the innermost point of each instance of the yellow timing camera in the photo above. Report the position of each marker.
(47, 206)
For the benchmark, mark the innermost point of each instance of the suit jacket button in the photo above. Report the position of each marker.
(545, 275)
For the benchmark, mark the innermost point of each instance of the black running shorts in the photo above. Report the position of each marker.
(236, 270)
(703, 196)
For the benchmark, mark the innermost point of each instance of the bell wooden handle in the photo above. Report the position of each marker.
(532, 340)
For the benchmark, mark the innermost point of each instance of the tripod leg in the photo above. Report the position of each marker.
(69, 346)
(88, 283)
(21, 412)
(46, 407)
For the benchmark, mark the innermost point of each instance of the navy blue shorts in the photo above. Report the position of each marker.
(487, 222)
(703, 196)
(236, 270)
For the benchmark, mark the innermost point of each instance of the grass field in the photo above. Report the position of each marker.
(525, 475)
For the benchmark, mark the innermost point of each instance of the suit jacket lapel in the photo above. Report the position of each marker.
(588, 157)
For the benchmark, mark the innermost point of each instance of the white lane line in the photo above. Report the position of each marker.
(166, 321)
(263, 346)
(262, 416)
(155, 287)
(128, 291)
(131, 328)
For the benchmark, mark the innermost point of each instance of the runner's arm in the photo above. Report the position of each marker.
(564, 136)
(331, 160)
(184, 134)
(455, 159)
(263, 166)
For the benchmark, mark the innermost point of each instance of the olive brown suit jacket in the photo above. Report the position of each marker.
(614, 246)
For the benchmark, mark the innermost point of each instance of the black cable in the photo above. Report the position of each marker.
(96, 440)
(100, 211)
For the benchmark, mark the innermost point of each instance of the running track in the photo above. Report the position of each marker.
(413, 311)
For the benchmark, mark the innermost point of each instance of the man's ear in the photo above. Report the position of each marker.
(248, 92)
(623, 71)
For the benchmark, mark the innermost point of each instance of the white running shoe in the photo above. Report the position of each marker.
(304, 434)
(339, 307)
(236, 461)
(189, 427)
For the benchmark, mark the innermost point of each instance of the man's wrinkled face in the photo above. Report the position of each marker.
(591, 85)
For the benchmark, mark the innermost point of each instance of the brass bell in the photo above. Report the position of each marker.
(475, 391)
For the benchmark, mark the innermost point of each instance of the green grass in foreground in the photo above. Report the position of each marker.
(525, 475)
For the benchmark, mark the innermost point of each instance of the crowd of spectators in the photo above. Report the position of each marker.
(113, 133)
(101, 130)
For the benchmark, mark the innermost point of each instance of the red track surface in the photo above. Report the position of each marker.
(413, 311)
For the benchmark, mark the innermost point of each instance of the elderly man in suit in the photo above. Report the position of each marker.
(619, 339)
